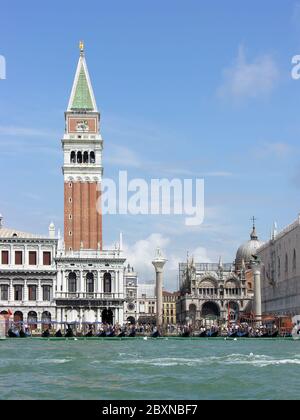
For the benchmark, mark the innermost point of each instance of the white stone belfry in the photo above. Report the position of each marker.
(159, 263)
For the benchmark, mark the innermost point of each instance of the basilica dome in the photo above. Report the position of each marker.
(246, 250)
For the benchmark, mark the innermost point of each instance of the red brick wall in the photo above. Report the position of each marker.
(86, 223)
(85, 215)
(93, 215)
(76, 216)
(99, 218)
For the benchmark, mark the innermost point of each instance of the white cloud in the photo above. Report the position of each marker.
(26, 140)
(123, 157)
(249, 79)
(278, 150)
(24, 132)
(142, 252)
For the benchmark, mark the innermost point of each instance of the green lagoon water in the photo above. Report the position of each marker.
(149, 369)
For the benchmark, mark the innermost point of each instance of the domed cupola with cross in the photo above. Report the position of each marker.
(82, 169)
(248, 249)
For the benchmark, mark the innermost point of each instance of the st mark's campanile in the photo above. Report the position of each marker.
(82, 169)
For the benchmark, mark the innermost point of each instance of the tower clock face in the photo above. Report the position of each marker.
(82, 125)
(131, 307)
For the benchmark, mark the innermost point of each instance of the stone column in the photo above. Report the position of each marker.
(62, 320)
(64, 282)
(25, 292)
(96, 278)
(81, 282)
(58, 317)
(100, 281)
(159, 263)
(80, 318)
(40, 291)
(58, 285)
(117, 290)
(99, 315)
(11, 291)
(256, 269)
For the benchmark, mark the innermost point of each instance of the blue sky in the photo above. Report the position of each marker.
(197, 89)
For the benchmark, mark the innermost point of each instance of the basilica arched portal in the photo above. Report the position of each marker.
(210, 310)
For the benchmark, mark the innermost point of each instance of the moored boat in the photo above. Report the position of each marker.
(46, 333)
(212, 334)
(23, 334)
(13, 333)
(242, 334)
(296, 332)
(69, 333)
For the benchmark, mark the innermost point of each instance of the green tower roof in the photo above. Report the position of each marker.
(82, 97)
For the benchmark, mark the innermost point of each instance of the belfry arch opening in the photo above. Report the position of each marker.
(85, 157)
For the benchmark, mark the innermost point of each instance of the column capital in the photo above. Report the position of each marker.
(159, 264)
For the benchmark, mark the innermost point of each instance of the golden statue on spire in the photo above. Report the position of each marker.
(81, 46)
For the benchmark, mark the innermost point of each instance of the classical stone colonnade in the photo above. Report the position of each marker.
(106, 315)
(31, 316)
(85, 281)
(89, 283)
(58, 317)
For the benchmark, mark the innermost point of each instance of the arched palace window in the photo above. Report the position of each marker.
(107, 283)
(90, 283)
(72, 283)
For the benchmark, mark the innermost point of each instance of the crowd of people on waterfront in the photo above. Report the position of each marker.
(140, 329)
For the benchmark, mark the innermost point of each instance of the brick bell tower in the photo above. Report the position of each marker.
(82, 145)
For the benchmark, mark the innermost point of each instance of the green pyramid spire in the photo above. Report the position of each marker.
(82, 97)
